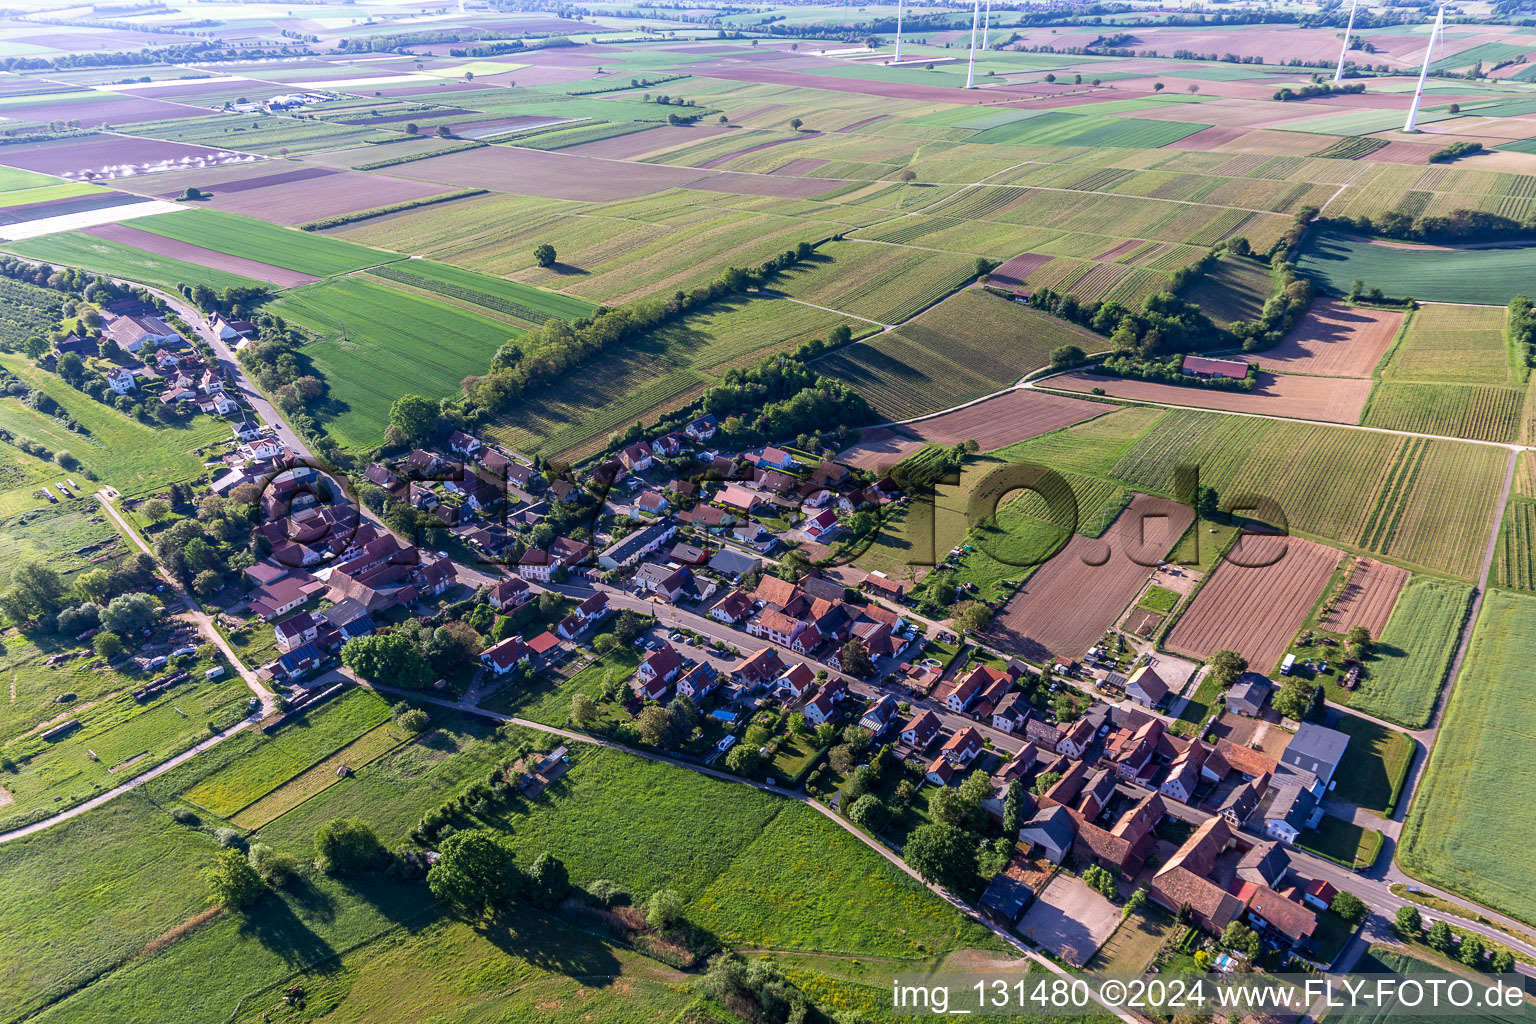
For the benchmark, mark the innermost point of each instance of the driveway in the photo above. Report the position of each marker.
(1070, 920)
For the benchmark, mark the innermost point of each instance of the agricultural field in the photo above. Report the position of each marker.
(1071, 599)
(1337, 399)
(301, 251)
(1366, 598)
(1468, 828)
(1255, 601)
(1412, 653)
(1334, 340)
(1448, 410)
(1454, 344)
(885, 284)
(1488, 277)
(372, 337)
(1514, 560)
(104, 256)
(967, 346)
(1234, 289)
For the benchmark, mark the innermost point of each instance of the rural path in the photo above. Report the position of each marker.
(191, 612)
(130, 785)
(884, 851)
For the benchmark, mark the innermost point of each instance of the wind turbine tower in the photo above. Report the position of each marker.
(970, 72)
(1429, 52)
(1338, 75)
(899, 5)
(986, 25)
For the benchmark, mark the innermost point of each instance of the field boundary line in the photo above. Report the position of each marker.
(1358, 171)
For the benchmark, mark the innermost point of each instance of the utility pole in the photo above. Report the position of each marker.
(970, 73)
(900, 5)
(1338, 75)
(1429, 52)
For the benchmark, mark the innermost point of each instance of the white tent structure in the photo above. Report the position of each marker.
(1338, 74)
(1429, 52)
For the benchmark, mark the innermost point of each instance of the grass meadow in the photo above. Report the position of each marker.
(302, 251)
(1413, 652)
(77, 249)
(1489, 277)
(1470, 823)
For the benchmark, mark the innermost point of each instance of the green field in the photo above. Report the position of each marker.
(1514, 562)
(1448, 410)
(885, 283)
(518, 300)
(1379, 759)
(76, 249)
(273, 760)
(1061, 128)
(1454, 344)
(1489, 277)
(971, 344)
(1469, 826)
(1386, 960)
(1234, 289)
(373, 338)
(1413, 652)
(132, 456)
(301, 251)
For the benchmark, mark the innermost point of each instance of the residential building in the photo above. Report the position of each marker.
(1146, 687)
(510, 594)
(1248, 694)
(627, 552)
(295, 632)
(636, 458)
(1184, 884)
(920, 730)
(501, 658)
(1318, 750)
(963, 747)
(121, 380)
(1051, 831)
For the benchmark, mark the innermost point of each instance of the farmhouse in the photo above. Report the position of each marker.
(1184, 885)
(1146, 687)
(1206, 368)
(134, 332)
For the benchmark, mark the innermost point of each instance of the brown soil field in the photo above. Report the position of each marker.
(1070, 600)
(1143, 622)
(623, 147)
(550, 175)
(296, 202)
(1367, 597)
(170, 247)
(1255, 608)
(117, 110)
(1333, 340)
(100, 153)
(1013, 273)
(1277, 143)
(246, 183)
(1210, 138)
(879, 449)
(1333, 399)
(1015, 416)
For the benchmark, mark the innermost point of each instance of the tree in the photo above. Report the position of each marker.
(583, 711)
(192, 194)
(971, 616)
(855, 659)
(71, 368)
(1359, 640)
(1471, 951)
(544, 254)
(129, 613)
(346, 846)
(869, 813)
(474, 870)
(1240, 937)
(1044, 781)
(743, 759)
(652, 723)
(1226, 666)
(1408, 921)
(207, 583)
(386, 657)
(453, 645)
(232, 883)
(1013, 809)
(1157, 86)
(942, 854)
(1133, 903)
(411, 128)
(1293, 699)
(795, 123)
(664, 909)
(908, 175)
(108, 645)
(413, 721)
(1100, 881)
(36, 590)
(417, 417)
(1348, 906)
(548, 881)
(1066, 355)
(156, 509)
(276, 869)
(1503, 962)
(628, 627)
(1439, 936)
(443, 131)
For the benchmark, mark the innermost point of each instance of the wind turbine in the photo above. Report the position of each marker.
(1338, 75)
(986, 25)
(1429, 52)
(970, 72)
(899, 5)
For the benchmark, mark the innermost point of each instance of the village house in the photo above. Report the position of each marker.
(821, 525)
(295, 632)
(134, 332)
(1146, 687)
(664, 664)
(731, 608)
(1051, 831)
(1317, 750)
(280, 597)
(121, 381)
(587, 614)
(1248, 694)
(1184, 886)
(1010, 712)
(636, 458)
(778, 458)
(509, 595)
(501, 658)
(1076, 738)
(963, 747)
(735, 496)
(823, 707)
(795, 681)
(698, 682)
(759, 667)
(627, 552)
(919, 731)
(464, 444)
(703, 428)
(652, 503)
(1125, 845)
(667, 446)
(1183, 776)
(1284, 922)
